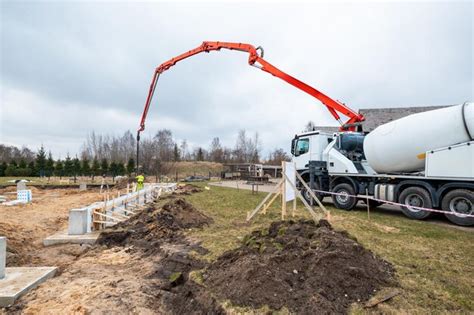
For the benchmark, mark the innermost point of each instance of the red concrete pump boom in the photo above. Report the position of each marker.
(256, 60)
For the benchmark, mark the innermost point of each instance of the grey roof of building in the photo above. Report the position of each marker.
(330, 129)
(375, 117)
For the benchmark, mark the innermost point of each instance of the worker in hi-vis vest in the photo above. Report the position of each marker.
(140, 179)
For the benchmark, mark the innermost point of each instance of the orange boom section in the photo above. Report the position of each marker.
(255, 59)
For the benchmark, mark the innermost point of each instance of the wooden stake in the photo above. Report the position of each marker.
(283, 192)
(293, 212)
(266, 206)
(308, 207)
(250, 215)
(313, 195)
(368, 207)
(108, 216)
(129, 211)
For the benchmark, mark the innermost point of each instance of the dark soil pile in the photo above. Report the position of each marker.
(152, 227)
(307, 267)
(155, 235)
(180, 214)
(187, 189)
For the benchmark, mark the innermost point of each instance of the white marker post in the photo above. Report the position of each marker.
(3, 256)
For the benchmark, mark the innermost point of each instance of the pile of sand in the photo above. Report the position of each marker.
(307, 267)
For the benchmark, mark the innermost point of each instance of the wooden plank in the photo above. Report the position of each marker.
(266, 206)
(103, 222)
(108, 216)
(382, 297)
(283, 192)
(255, 211)
(122, 215)
(308, 207)
(313, 195)
(128, 211)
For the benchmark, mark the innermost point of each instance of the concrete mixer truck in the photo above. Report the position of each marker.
(424, 160)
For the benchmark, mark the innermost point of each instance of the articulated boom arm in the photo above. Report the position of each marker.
(256, 60)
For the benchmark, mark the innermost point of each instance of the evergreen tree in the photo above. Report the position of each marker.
(22, 164)
(120, 169)
(176, 154)
(3, 168)
(113, 169)
(130, 166)
(76, 168)
(30, 170)
(200, 155)
(95, 169)
(68, 166)
(59, 169)
(104, 166)
(41, 162)
(13, 164)
(85, 167)
(49, 165)
(11, 170)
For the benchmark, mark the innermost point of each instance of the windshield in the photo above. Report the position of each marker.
(302, 146)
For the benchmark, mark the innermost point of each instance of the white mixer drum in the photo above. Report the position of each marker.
(400, 145)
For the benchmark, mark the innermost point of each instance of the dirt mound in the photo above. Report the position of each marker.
(155, 235)
(151, 227)
(179, 214)
(307, 267)
(187, 189)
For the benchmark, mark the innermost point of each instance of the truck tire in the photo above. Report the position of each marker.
(415, 196)
(307, 196)
(460, 202)
(344, 201)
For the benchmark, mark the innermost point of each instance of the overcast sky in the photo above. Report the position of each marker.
(70, 68)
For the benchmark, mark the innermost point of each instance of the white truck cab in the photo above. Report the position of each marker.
(342, 151)
(309, 146)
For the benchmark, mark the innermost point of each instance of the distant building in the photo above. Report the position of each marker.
(375, 117)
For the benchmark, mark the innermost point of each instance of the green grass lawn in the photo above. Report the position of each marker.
(434, 263)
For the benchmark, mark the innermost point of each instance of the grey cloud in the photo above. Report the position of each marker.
(80, 61)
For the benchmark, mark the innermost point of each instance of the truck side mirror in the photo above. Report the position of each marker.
(293, 142)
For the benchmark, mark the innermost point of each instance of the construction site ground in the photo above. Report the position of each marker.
(173, 257)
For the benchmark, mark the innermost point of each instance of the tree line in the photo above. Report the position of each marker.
(161, 148)
(42, 164)
(114, 155)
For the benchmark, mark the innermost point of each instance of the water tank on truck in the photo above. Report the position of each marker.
(400, 145)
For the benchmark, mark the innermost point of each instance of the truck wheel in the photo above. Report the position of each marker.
(415, 197)
(344, 201)
(460, 202)
(308, 198)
